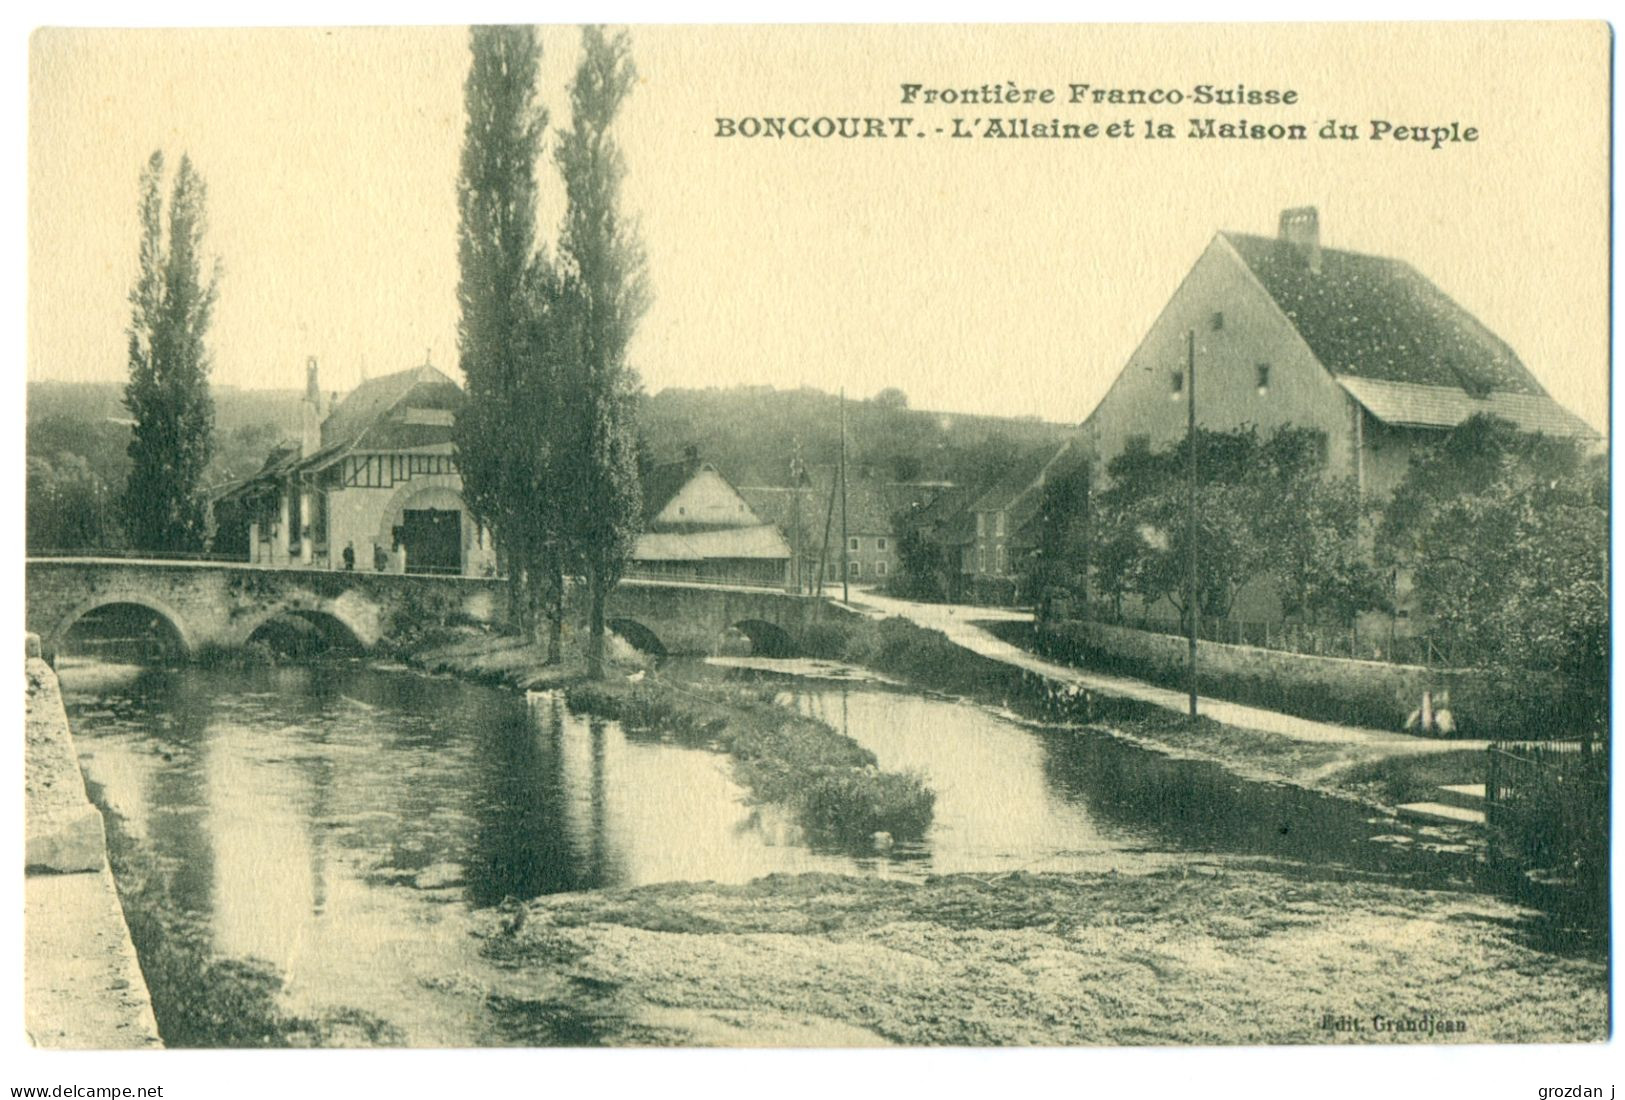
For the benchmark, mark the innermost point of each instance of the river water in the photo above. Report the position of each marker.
(345, 823)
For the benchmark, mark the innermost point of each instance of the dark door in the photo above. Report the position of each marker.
(433, 539)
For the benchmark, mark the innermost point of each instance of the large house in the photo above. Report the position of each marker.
(1287, 331)
(697, 527)
(372, 485)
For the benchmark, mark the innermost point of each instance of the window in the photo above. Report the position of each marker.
(998, 524)
(682, 511)
(854, 568)
(1217, 321)
(981, 524)
(981, 559)
(880, 544)
(1179, 383)
(1263, 377)
(1000, 559)
(880, 569)
(852, 543)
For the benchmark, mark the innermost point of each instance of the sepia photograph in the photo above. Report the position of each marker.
(818, 536)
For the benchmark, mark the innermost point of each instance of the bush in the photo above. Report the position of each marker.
(829, 782)
(850, 807)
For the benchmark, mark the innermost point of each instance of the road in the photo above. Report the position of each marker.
(962, 624)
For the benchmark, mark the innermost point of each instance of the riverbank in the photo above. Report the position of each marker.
(83, 985)
(1020, 959)
(1374, 768)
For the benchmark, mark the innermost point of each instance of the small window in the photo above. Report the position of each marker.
(1263, 377)
(880, 569)
(1000, 560)
(998, 524)
(682, 511)
(1217, 321)
(1179, 383)
(880, 544)
(981, 559)
(981, 524)
(854, 568)
(852, 543)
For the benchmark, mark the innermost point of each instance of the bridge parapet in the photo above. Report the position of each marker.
(221, 604)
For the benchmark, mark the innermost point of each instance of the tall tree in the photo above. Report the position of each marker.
(605, 283)
(168, 392)
(512, 328)
(1504, 535)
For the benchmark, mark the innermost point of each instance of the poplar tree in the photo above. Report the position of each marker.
(168, 392)
(508, 332)
(604, 284)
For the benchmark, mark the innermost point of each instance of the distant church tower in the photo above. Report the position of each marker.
(311, 414)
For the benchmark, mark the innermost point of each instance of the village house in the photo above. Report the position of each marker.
(697, 527)
(372, 485)
(1363, 348)
(800, 513)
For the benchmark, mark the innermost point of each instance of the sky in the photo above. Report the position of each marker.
(1007, 277)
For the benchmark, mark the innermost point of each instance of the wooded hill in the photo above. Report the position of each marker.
(750, 433)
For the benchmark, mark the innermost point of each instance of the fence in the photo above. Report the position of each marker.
(1546, 805)
(1310, 640)
(132, 555)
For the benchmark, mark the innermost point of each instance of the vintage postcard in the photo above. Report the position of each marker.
(818, 536)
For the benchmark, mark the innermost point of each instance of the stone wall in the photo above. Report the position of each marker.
(1368, 693)
(83, 986)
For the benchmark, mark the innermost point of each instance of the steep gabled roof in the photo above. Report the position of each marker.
(1019, 481)
(1379, 318)
(362, 421)
(867, 508)
(665, 480)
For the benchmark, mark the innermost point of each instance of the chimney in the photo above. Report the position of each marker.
(1300, 227)
(310, 413)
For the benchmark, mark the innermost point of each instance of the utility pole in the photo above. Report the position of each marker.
(797, 476)
(846, 567)
(1192, 609)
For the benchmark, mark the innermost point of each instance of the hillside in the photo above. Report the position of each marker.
(750, 432)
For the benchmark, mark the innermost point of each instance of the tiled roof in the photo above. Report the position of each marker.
(729, 543)
(1018, 482)
(663, 481)
(1379, 318)
(867, 506)
(362, 422)
(1407, 404)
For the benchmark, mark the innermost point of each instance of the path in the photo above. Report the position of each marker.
(962, 624)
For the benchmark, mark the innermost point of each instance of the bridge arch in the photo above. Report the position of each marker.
(638, 636)
(766, 639)
(329, 621)
(171, 619)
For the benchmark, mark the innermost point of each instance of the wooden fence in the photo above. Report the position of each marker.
(1546, 805)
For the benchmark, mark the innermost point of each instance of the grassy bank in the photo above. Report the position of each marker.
(929, 659)
(1198, 957)
(830, 783)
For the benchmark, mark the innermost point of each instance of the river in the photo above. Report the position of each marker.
(345, 822)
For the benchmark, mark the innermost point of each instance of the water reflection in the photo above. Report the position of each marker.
(343, 822)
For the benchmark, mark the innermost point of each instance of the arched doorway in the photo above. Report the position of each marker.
(431, 525)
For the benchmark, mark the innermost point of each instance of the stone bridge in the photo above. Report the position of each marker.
(221, 605)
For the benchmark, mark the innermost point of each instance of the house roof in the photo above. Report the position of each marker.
(1378, 318)
(763, 542)
(868, 510)
(362, 421)
(1019, 481)
(1406, 404)
(663, 481)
